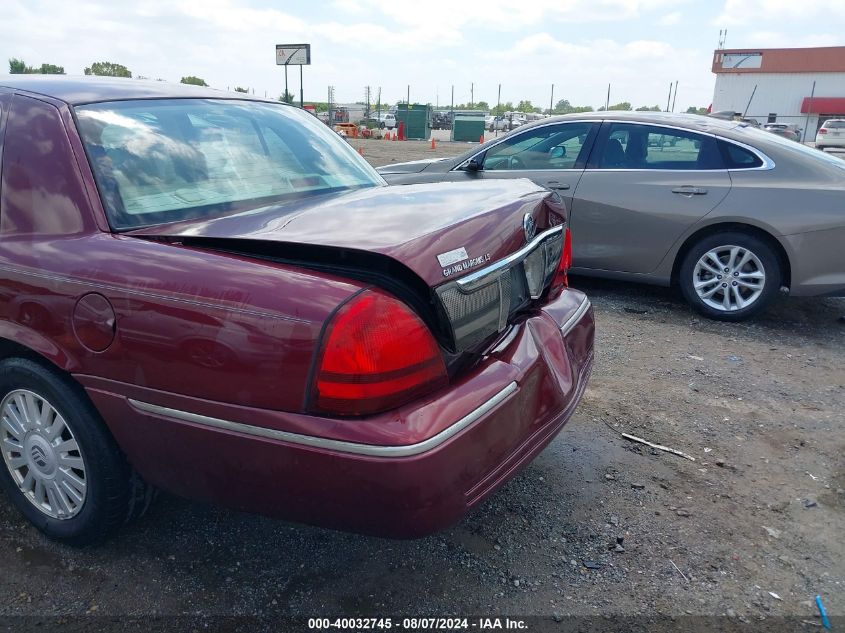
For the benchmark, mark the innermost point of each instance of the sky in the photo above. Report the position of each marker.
(638, 47)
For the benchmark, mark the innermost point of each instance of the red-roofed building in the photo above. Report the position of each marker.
(777, 84)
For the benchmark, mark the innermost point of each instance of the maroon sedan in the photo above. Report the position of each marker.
(216, 296)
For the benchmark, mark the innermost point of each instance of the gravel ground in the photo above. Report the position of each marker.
(752, 528)
(383, 152)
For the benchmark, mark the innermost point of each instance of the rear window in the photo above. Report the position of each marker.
(797, 150)
(834, 124)
(158, 161)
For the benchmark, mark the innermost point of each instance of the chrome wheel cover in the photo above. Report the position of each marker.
(42, 455)
(729, 278)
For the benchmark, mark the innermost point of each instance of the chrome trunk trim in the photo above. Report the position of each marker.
(486, 275)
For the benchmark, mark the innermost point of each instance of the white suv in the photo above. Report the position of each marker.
(386, 120)
(831, 134)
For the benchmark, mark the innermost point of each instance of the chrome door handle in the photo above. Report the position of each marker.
(554, 184)
(690, 191)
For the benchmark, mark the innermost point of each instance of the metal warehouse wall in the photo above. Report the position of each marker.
(781, 93)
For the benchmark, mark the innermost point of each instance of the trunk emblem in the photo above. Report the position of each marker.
(529, 225)
(452, 257)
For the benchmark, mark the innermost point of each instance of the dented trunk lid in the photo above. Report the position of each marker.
(438, 231)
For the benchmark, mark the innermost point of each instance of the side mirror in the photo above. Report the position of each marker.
(473, 165)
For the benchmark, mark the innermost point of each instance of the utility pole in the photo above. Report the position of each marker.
(809, 110)
(409, 96)
(552, 100)
(471, 94)
(301, 89)
(669, 98)
(367, 93)
(607, 101)
(675, 96)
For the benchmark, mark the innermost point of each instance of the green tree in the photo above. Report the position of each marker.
(239, 89)
(694, 110)
(562, 107)
(287, 97)
(51, 69)
(482, 105)
(108, 69)
(19, 67)
(193, 81)
(620, 106)
(525, 106)
(500, 109)
(648, 109)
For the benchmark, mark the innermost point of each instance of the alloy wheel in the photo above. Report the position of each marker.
(729, 278)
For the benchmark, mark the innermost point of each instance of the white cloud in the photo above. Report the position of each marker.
(380, 39)
(753, 11)
(777, 39)
(639, 71)
(670, 19)
(389, 43)
(508, 15)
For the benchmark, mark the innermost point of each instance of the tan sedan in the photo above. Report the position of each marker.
(729, 213)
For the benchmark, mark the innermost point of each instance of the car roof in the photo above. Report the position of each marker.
(77, 90)
(689, 121)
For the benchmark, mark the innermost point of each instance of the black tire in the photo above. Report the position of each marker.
(114, 495)
(764, 253)
(381, 125)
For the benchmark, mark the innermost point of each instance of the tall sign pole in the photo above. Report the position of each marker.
(294, 55)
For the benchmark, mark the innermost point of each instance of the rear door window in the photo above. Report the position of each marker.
(834, 124)
(634, 146)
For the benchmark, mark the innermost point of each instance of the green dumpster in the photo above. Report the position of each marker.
(417, 118)
(468, 127)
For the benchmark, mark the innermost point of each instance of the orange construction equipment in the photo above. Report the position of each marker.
(394, 137)
(361, 151)
(401, 130)
(481, 140)
(433, 144)
(350, 130)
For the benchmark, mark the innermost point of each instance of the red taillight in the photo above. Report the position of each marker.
(822, 130)
(376, 355)
(561, 278)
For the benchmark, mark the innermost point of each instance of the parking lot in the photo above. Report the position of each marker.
(597, 524)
